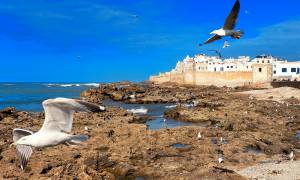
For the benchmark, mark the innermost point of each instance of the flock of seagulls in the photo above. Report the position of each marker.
(220, 153)
(56, 128)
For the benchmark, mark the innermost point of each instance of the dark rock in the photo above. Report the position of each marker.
(46, 169)
(99, 161)
(8, 111)
(124, 170)
(141, 119)
(110, 133)
(76, 155)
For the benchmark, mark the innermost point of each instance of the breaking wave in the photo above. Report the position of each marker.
(171, 106)
(141, 110)
(73, 85)
(8, 84)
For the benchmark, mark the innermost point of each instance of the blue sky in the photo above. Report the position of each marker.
(114, 40)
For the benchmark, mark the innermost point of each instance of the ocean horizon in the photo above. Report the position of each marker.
(28, 96)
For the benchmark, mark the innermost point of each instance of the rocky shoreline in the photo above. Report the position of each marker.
(121, 147)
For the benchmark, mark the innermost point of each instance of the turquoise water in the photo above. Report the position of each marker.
(29, 96)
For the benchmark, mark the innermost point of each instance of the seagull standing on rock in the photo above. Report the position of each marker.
(291, 156)
(228, 28)
(221, 158)
(56, 128)
(222, 141)
(199, 135)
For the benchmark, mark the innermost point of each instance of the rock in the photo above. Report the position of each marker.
(8, 111)
(99, 161)
(76, 155)
(121, 147)
(89, 173)
(141, 119)
(116, 96)
(124, 170)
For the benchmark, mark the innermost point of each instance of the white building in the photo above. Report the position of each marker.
(282, 69)
(202, 62)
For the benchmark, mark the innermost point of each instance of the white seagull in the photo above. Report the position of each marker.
(56, 128)
(228, 28)
(221, 158)
(291, 156)
(222, 141)
(226, 44)
(199, 135)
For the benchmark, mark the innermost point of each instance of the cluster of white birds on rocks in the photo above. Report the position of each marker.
(291, 156)
(222, 141)
(56, 128)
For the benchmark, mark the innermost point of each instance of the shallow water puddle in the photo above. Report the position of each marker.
(251, 149)
(214, 141)
(298, 135)
(178, 145)
(160, 122)
(130, 178)
(155, 113)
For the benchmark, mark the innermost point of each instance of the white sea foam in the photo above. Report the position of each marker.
(66, 85)
(91, 84)
(141, 110)
(71, 85)
(188, 105)
(9, 84)
(171, 106)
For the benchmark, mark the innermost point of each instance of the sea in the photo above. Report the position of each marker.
(29, 97)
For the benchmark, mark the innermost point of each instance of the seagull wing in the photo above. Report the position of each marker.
(232, 17)
(59, 113)
(19, 133)
(24, 152)
(212, 39)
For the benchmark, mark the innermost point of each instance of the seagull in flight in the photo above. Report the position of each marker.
(56, 128)
(226, 44)
(228, 28)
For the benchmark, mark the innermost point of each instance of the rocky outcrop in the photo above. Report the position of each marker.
(121, 147)
(145, 93)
